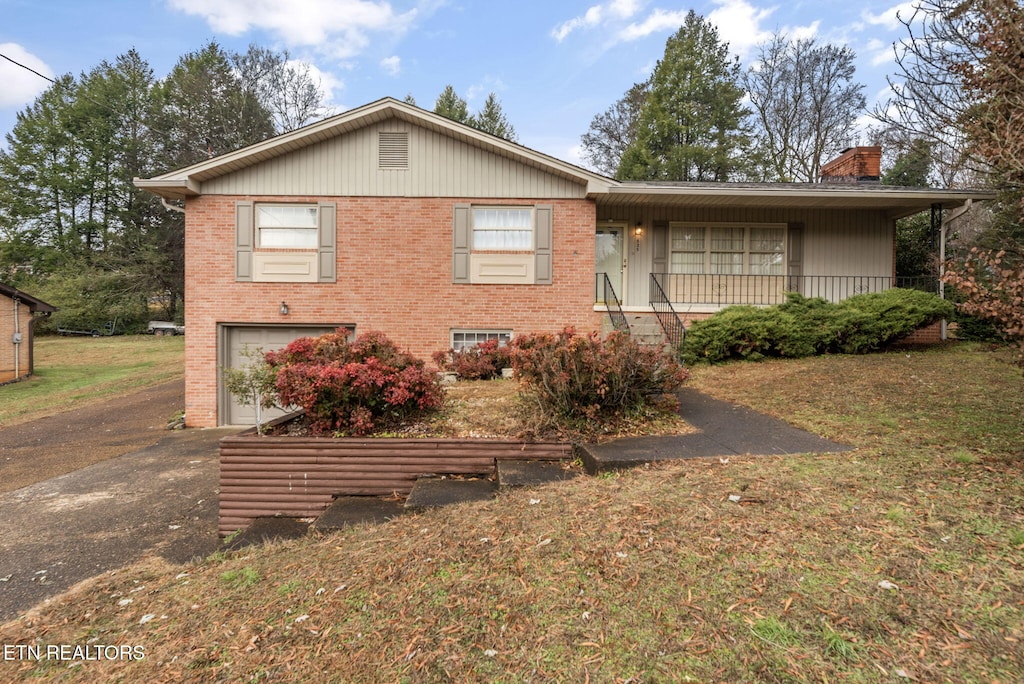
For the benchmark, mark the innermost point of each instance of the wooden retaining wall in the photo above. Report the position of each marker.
(300, 476)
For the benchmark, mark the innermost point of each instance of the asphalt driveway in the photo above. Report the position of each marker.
(89, 491)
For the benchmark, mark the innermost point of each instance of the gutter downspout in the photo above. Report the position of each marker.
(171, 207)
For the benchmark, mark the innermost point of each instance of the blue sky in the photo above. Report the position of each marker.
(553, 64)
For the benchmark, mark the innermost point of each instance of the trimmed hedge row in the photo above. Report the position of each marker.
(807, 326)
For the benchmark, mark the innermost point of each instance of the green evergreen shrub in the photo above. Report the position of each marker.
(804, 326)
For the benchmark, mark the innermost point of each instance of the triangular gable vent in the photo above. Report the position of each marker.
(393, 150)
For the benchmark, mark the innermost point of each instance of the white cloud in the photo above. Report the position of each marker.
(803, 32)
(739, 24)
(339, 28)
(486, 86)
(392, 65)
(887, 17)
(658, 20)
(330, 85)
(21, 86)
(880, 53)
(614, 10)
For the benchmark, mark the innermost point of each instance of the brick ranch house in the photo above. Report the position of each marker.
(389, 217)
(18, 312)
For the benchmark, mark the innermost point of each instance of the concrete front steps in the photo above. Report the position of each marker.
(429, 491)
(643, 327)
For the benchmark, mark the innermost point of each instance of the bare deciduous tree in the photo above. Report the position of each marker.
(285, 87)
(806, 105)
(927, 99)
(614, 130)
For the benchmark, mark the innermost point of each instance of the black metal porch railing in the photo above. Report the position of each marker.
(606, 294)
(667, 316)
(762, 290)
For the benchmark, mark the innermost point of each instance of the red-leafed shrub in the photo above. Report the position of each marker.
(482, 362)
(573, 376)
(351, 387)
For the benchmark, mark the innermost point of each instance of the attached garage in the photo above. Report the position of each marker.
(235, 339)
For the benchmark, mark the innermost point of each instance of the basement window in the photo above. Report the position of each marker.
(466, 339)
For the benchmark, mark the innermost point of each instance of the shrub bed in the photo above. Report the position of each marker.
(481, 362)
(574, 377)
(351, 387)
(804, 327)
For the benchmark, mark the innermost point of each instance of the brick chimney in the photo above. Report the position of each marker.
(854, 165)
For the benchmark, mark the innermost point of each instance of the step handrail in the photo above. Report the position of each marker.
(673, 326)
(615, 313)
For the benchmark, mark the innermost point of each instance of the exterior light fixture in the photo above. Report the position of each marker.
(284, 308)
(638, 231)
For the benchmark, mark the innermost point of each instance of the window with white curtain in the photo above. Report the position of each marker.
(727, 249)
(502, 228)
(287, 226)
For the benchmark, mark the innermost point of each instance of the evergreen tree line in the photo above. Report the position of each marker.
(73, 228)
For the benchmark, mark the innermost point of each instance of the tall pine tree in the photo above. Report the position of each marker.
(692, 126)
(491, 119)
(450, 105)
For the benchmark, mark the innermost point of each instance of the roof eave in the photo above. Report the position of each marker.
(175, 188)
(898, 203)
(34, 303)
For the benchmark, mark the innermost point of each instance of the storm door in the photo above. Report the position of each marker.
(609, 258)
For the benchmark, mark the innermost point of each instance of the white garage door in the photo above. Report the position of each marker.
(266, 338)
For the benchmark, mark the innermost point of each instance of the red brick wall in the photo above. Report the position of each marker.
(929, 334)
(394, 274)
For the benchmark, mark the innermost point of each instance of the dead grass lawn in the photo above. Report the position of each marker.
(901, 561)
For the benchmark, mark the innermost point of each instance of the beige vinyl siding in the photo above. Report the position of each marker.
(439, 166)
(849, 243)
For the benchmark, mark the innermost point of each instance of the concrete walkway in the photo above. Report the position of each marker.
(724, 430)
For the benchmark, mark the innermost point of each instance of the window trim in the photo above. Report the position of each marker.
(285, 265)
(511, 267)
(746, 266)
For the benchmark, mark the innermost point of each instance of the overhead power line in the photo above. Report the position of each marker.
(95, 102)
(27, 68)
